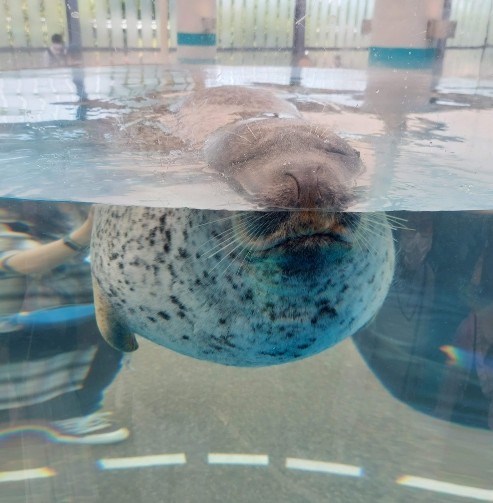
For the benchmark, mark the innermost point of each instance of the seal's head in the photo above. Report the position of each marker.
(247, 288)
(285, 163)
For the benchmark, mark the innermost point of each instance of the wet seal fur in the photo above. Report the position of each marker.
(246, 288)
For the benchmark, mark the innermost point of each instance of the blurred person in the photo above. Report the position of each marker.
(54, 364)
(396, 344)
(467, 385)
(56, 54)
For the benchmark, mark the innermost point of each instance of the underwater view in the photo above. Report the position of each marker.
(251, 274)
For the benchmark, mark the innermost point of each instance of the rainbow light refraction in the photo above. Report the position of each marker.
(458, 357)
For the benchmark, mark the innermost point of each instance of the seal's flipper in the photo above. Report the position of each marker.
(113, 330)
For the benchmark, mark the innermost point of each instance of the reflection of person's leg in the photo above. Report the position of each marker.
(78, 413)
(80, 89)
(58, 374)
(104, 368)
(88, 398)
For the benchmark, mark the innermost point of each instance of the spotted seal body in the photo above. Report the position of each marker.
(247, 288)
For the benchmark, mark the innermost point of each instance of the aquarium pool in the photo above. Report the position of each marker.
(399, 411)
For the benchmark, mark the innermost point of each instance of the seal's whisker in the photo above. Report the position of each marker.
(358, 242)
(399, 224)
(254, 235)
(231, 239)
(239, 136)
(226, 234)
(376, 226)
(231, 261)
(255, 228)
(258, 226)
(380, 227)
(226, 256)
(212, 222)
(362, 239)
(251, 220)
(242, 259)
(223, 245)
(374, 230)
(253, 134)
(260, 220)
(324, 132)
(395, 217)
(314, 130)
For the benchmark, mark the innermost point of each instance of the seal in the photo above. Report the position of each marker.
(249, 288)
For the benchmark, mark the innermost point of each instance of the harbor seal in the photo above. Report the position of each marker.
(247, 288)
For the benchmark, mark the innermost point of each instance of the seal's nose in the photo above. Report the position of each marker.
(315, 187)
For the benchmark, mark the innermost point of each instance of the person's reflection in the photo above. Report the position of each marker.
(467, 385)
(54, 365)
(56, 53)
(396, 342)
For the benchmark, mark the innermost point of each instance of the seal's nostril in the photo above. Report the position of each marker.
(296, 186)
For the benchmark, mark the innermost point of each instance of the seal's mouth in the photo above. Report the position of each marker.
(293, 231)
(308, 241)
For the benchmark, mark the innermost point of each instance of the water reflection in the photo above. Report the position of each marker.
(431, 343)
(408, 134)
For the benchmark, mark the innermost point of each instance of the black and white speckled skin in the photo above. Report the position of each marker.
(186, 280)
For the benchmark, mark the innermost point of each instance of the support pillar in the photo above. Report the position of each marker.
(73, 24)
(298, 32)
(196, 31)
(163, 28)
(400, 77)
(400, 35)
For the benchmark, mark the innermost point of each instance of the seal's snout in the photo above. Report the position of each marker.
(316, 187)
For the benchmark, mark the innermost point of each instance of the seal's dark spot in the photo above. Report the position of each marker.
(177, 302)
(304, 346)
(182, 253)
(248, 295)
(327, 310)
